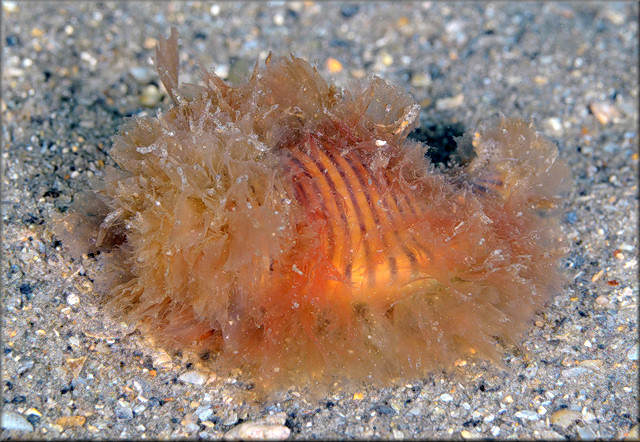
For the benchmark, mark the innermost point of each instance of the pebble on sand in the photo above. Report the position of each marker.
(71, 421)
(15, 421)
(150, 96)
(269, 428)
(528, 415)
(565, 417)
(604, 112)
(194, 377)
(450, 103)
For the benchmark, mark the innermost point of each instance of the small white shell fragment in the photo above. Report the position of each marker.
(15, 421)
(268, 428)
(450, 102)
(73, 299)
(528, 415)
(194, 377)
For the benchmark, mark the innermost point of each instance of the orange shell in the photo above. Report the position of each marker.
(288, 226)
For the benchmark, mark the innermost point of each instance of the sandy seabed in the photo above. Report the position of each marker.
(73, 72)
